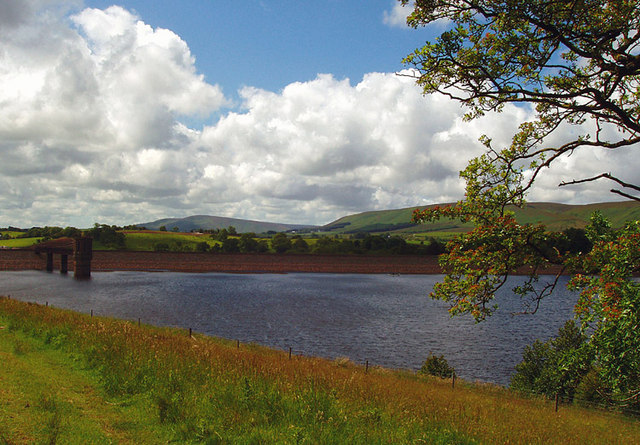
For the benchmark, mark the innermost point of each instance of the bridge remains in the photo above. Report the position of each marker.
(80, 248)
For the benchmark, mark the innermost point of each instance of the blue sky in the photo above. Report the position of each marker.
(123, 112)
(270, 44)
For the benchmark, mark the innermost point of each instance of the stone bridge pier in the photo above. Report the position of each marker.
(80, 248)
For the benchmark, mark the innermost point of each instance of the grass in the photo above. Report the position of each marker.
(11, 233)
(19, 242)
(145, 241)
(48, 396)
(113, 380)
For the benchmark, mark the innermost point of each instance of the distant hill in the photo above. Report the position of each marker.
(219, 222)
(554, 216)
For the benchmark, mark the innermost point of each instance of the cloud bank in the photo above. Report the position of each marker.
(94, 127)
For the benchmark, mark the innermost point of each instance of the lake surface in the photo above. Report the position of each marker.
(387, 320)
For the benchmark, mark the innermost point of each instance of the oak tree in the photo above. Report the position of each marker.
(577, 62)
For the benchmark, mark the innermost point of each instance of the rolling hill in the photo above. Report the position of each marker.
(218, 222)
(554, 216)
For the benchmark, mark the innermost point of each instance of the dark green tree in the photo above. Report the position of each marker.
(231, 245)
(437, 366)
(557, 366)
(248, 243)
(107, 235)
(280, 243)
(299, 245)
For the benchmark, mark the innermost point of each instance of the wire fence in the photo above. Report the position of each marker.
(557, 400)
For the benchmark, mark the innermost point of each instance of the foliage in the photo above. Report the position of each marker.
(161, 247)
(230, 245)
(280, 243)
(437, 366)
(48, 233)
(249, 244)
(557, 366)
(299, 245)
(609, 306)
(202, 246)
(108, 236)
(577, 63)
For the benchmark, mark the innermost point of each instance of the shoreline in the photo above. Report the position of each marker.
(230, 263)
(196, 262)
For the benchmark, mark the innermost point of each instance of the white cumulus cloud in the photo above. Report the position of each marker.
(397, 16)
(93, 128)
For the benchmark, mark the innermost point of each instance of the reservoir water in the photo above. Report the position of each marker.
(384, 319)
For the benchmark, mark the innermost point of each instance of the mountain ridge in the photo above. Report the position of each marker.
(208, 222)
(556, 216)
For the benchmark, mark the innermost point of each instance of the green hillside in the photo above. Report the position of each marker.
(219, 222)
(554, 216)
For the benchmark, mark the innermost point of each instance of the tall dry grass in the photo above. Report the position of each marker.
(211, 390)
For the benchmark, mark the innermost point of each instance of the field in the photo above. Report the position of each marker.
(147, 240)
(19, 242)
(73, 378)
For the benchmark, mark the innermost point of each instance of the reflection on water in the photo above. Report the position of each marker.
(387, 320)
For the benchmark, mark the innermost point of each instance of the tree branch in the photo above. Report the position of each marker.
(603, 175)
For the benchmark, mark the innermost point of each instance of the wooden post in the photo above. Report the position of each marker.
(289, 352)
(91, 313)
(138, 321)
(453, 379)
(366, 367)
(237, 344)
(189, 332)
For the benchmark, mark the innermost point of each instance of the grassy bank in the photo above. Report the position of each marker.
(69, 377)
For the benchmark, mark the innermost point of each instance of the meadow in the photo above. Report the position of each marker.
(19, 242)
(70, 377)
(143, 241)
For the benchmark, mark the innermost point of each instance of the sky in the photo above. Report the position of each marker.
(123, 112)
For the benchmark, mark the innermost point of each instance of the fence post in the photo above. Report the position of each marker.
(453, 379)
(366, 367)
(189, 332)
(289, 352)
(138, 321)
(91, 313)
(237, 344)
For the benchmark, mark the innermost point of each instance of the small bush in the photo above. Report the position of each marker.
(161, 247)
(591, 390)
(437, 366)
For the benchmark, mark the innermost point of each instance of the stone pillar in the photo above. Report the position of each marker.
(64, 264)
(83, 253)
(49, 261)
